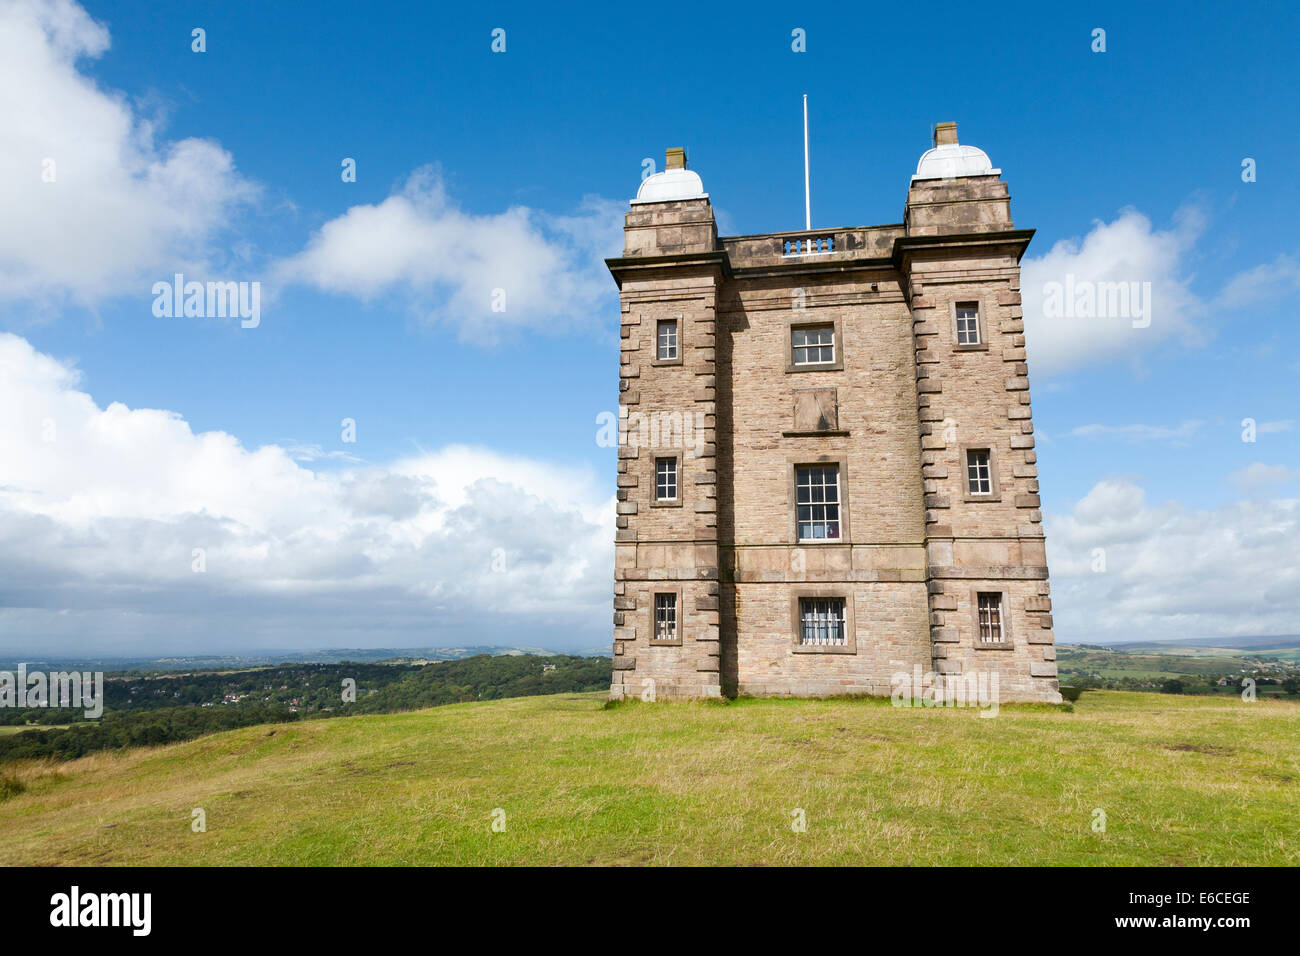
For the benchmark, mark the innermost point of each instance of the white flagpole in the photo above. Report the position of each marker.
(807, 196)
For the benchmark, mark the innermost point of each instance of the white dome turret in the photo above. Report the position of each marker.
(949, 159)
(675, 183)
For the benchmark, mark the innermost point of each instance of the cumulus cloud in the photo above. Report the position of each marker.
(1172, 571)
(1075, 294)
(1127, 250)
(485, 273)
(94, 204)
(102, 510)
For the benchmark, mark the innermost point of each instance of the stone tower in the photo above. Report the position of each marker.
(827, 475)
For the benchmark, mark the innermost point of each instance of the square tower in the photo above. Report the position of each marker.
(826, 467)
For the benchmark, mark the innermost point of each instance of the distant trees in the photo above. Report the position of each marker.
(142, 711)
(148, 728)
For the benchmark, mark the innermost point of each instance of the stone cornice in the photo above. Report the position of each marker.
(622, 267)
(1018, 239)
(904, 249)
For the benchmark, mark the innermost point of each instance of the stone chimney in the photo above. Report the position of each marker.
(675, 158)
(945, 134)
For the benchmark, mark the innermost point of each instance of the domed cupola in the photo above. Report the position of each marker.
(675, 183)
(950, 160)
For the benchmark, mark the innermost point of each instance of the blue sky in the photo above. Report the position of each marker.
(1138, 149)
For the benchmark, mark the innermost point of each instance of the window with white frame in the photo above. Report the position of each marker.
(813, 345)
(667, 340)
(968, 323)
(665, 479)
(979, 471)
(990, 618)
(817, 502)
(666, 617)
(821, 622)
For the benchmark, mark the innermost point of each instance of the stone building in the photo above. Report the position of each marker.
(827, 474)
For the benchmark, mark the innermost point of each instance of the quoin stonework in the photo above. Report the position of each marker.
(861, 496)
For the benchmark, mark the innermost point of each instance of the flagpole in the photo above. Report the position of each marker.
(807, 196)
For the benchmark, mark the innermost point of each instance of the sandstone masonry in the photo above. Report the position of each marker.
(761, 377)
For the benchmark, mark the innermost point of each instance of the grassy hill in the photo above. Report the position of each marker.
(1182, 781)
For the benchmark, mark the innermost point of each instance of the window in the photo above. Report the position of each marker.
(979, 472)
(981, 483)
(821, 622)
(990, 617)
(817, 502)
(814, 345)
(665, 479)
(667, 339)
(968, 323)
(665, 617)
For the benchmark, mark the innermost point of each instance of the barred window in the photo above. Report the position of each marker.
(990, 617)
(667, 340)
(817, 502)
(665, 479)
(814, 346)
(979, 474)
(822, 621)
(665, 617)
(968, 323)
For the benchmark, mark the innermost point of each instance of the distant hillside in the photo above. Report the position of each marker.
(1182, 669)
(752, 782)
(1283, 641)
(333, 655)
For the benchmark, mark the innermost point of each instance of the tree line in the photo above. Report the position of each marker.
(150, 711)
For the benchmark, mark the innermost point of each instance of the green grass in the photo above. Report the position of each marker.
(1182, 781)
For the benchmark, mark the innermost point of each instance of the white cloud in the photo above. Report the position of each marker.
(1172, 571)
(101, 508)
(1125, 250)
(1264, 283)
(1258, 475)
(1129, 250)
(123, 209)
(1177, 434)
(307, 452)
(1274, 428)
(451, 263)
